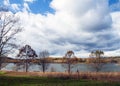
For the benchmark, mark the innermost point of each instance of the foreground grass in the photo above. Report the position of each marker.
(13, 78)
(44, 81)
(2, 72)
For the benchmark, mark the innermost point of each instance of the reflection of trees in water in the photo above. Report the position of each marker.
(109, 67)
(21, 66)
(3, 62)
(4, 65)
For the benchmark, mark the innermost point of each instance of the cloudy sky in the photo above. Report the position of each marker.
(61, 25)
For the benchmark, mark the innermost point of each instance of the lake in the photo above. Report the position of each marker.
(109, 67)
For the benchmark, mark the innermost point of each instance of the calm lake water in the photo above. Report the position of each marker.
(110, 67)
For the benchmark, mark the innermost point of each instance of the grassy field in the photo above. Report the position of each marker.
(12, 78)
(43, 81)
(2, 72)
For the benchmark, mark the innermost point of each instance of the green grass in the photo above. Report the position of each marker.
(43, 81)
(2, 72)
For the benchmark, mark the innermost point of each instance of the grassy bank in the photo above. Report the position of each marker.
(98, 76)
(2, 72)
(13, 78)
(44, 81)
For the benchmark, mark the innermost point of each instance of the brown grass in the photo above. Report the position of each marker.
(102, 76)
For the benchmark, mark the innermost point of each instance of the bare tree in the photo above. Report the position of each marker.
(9, 27)
(69, 61)
(96, 60)
(27, 54)
(43, 60)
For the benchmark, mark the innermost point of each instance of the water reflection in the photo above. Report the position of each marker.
(110, 67)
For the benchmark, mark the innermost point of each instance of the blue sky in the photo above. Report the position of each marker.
(61, 25)
(43, 6)
(37, 6)
(113, 1)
